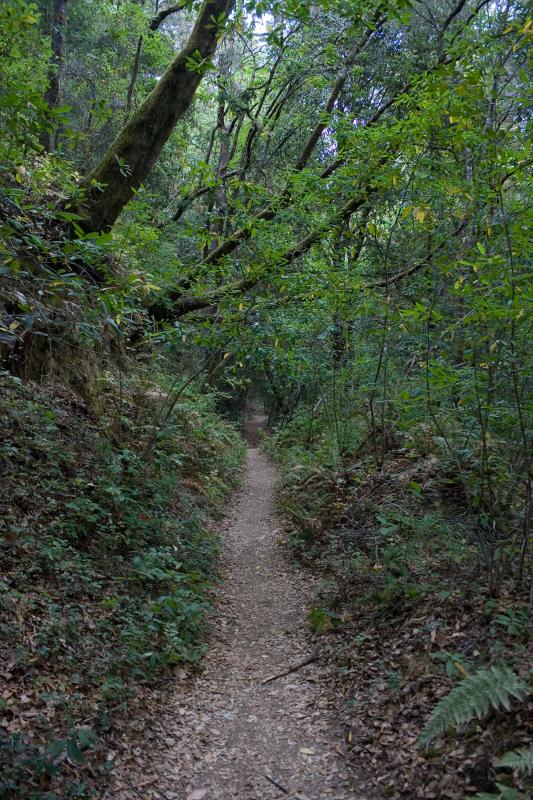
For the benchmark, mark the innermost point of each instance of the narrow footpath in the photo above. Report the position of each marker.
(225, 734)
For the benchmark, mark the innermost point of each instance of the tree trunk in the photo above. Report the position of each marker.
(134, 73)
(53, 92)
(129, 160)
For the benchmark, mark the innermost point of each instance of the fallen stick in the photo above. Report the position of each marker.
(307, 660)
(276, 784)
(132, 787)
(137, 792)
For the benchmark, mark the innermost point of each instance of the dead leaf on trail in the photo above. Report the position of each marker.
(198, 794)
(307, 751)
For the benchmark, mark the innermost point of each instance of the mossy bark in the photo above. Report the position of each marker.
(110, 186)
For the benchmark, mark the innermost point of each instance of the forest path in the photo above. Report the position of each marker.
(225, 731)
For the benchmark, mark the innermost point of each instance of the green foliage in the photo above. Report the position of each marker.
(322, 620)
(515, 620)
(504, 793)
(23, 53)
(520, 761)
(473, 697)
(106, 543)
(391, 347)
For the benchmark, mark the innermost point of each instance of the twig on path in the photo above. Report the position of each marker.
(137, 792)
(276, 784)
(307, 660)
(132, 787)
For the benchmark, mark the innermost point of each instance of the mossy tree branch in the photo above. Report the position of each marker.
(131, 157)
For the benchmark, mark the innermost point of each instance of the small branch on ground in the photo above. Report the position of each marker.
(307, 660)
(137, 792)
(276, 784)
(132, 787)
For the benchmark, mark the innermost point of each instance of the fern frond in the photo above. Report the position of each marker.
(505, 793)
(473, 697)
(486, 796)
(520, 761)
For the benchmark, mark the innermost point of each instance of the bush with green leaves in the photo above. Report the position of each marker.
(23, 112)
(106, 550)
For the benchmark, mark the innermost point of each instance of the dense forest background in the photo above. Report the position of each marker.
(321, 206)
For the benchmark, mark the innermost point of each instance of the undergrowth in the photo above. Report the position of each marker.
(108, 558)
(419, 643)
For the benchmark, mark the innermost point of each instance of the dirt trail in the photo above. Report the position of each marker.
(224, 732)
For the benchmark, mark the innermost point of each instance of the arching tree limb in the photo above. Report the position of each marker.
(176, 305)
(166, 12)
(113, 182)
